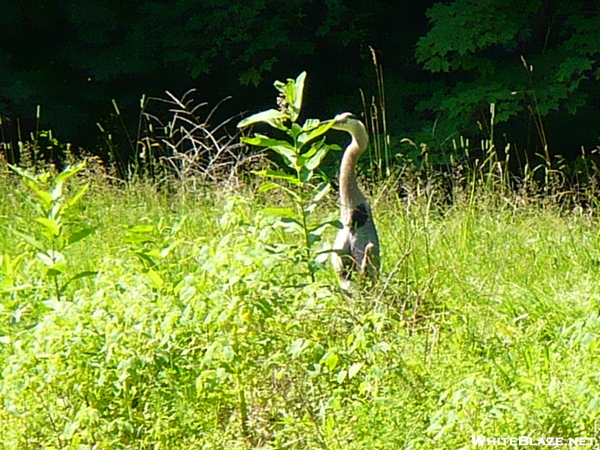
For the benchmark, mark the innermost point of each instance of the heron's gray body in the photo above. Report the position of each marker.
(356, 250)
(356, 246)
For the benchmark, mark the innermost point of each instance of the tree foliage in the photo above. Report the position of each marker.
(535, 60)
(77, 55)
(198, 36)
(537, 57)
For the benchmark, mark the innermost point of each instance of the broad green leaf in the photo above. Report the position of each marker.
(309, 132)
(51, 258)
(269, 186)
(278, 175)
(284, 212)
(30, 240)
(308, 154)
(153, 253)
(265, 187)
(80, 193)
(273, 117)
(145, 259)
(295, 130)
(44, 197)
(261, 140)
(311, 124)
(353, 370)
(313, 238)
(52, 226)
(291, 225)
(24, 173)
(309, 209)
(155, 278)
(319, 228)
(79, 235)
(78, 276)
(298, 92)
(331, 360)
(69, 172)
(315, 160)
(341, 377)
(55, 271)
(321, 256)
(54, 261)
(321, 192)
(305, 174)
(337, 224)
(282, 148)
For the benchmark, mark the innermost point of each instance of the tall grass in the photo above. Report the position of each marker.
(375, 111)
(194, 333)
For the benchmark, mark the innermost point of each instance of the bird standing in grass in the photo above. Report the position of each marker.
(356, 246)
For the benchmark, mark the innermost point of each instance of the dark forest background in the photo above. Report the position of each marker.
(443, 64)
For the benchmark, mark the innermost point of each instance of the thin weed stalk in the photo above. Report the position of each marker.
(376, 120)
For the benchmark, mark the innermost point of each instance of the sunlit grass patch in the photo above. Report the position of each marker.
(200, 330)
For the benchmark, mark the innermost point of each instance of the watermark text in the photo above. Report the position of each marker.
(480, 441)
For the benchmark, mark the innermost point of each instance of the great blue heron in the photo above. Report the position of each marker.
(356, 246)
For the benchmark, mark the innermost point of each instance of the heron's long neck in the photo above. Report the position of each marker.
(350, 194)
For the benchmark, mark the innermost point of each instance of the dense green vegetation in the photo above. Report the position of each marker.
(200, 329)
(443, 64)
(165, 298)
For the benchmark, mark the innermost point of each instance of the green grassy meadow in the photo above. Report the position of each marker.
(201, 330)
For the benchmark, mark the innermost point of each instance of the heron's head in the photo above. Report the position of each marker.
(346, 122)
(349, 123)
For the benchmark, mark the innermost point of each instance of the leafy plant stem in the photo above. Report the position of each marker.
(301, 154)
